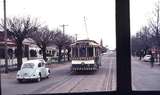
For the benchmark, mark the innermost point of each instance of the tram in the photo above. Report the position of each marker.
(85, 55)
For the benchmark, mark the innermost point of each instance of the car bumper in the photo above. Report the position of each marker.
(26, 78)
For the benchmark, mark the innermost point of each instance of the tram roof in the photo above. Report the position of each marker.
(84, 42)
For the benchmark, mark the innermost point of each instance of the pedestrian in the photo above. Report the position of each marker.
(152, 60)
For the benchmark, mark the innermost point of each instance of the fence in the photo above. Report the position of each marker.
(12, 64)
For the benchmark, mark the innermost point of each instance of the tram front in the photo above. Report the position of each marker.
(85, 55)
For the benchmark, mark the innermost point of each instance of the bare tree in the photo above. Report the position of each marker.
(142, 41)
(155, 25)
(43, 37)
(19, 28)
(62, 41)
(145, 37)
(69, 41)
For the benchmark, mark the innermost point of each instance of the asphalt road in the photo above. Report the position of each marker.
(145, 77)
(62, 80)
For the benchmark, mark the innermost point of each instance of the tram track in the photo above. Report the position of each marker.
(67, 84)
(107, 82)
(49, 86)
(76, 85)
(81, 82)
(57, 84)
(114, 77)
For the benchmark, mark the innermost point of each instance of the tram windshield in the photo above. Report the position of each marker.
(90, 52)
(82, 52)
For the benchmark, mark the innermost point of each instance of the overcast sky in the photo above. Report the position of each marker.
(100, 16)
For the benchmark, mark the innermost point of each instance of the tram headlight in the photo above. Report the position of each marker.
(82, 63)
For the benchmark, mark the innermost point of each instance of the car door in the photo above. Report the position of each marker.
(43, 69)
(40, 69)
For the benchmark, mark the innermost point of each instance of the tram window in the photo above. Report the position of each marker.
(75, 52)
(90, 52)
(82, 52)
(96, 51)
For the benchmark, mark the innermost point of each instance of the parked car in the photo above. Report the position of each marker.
(52, 60)
(146, 58)
(33, 70)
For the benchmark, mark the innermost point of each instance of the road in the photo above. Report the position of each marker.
(62, 80)
(145, 78)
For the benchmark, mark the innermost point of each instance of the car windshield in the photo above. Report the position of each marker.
(28, 65)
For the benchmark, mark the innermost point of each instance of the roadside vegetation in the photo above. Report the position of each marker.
(21, 28)
(148, 37)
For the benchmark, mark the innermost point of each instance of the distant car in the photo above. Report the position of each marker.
(146, 58)
(33, 70)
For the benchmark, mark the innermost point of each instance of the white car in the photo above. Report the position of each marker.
(33, 70)
(146, 58)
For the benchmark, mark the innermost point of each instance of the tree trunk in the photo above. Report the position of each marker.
(44, 53)
(19, 54)
(59, 55)
(68, 54)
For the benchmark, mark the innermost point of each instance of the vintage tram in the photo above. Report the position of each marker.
(85, 55)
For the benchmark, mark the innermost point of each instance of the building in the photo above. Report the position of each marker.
(30, 49)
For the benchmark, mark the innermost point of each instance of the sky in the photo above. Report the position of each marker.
(141, 12)
(100, 16)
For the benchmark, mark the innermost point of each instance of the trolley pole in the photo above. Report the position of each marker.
(5, 38)
(86, 27)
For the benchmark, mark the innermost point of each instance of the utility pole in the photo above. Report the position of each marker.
(76, 36)
(5, 38)
(63, 25)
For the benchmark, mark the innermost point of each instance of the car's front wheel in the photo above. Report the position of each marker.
(39, 78)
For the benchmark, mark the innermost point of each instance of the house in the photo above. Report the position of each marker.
(30, 49)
